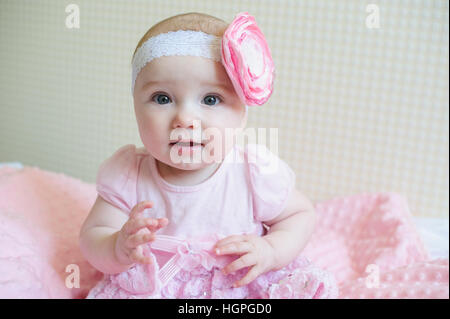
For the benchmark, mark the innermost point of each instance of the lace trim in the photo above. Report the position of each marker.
(181, 42)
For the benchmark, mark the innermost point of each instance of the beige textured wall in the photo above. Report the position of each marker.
(358, 109)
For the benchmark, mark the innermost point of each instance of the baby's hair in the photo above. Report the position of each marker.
(187, 21)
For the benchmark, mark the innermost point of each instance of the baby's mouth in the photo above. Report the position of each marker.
(186, 143)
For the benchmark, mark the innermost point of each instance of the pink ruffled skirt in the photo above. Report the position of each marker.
(201, 277)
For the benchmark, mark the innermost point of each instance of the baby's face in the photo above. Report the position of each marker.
(172, 92)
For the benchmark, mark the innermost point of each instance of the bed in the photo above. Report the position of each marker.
(359, 236)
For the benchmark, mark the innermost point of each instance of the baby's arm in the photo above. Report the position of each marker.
(111, 241)
(290, 231)
(286, 238)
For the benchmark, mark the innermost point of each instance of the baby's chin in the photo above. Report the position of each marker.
(189, 166)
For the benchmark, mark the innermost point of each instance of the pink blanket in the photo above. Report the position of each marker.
(367, 240)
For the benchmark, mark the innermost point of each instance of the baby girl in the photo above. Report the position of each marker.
(167, 226)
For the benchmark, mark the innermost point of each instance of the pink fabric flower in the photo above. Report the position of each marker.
(247, 60)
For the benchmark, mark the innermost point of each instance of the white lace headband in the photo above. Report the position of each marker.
(181, 42)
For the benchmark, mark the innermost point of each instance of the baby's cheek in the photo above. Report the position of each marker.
(152, 128)
(151, 141)
(220, 143)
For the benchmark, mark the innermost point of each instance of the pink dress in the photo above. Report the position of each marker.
(250, 186)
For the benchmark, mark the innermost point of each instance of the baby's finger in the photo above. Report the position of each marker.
(157, 224)
(138, 239)
(230, 239)
(137, 255)
(162, 222)
(248, 278)
(235, 248)
(140, 207)
(133, 225)
(246, 260)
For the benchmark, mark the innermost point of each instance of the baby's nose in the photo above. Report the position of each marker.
(185, 118)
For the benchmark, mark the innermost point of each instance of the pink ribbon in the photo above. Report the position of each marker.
(150, 278)
(191, 256)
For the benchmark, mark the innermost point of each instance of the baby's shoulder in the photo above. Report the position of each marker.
(271, 180)
(117, 176)
(122, 164)
(125, 155)
(256, 157)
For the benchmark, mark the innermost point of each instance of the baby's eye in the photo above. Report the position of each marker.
(212, 99)
(161, 98)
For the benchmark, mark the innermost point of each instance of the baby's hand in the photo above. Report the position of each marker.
(256, 253)
(135, 233)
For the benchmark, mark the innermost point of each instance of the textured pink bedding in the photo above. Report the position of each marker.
(367, 240)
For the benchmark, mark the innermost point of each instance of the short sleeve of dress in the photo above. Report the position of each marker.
(271, 181)
(117, 177)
